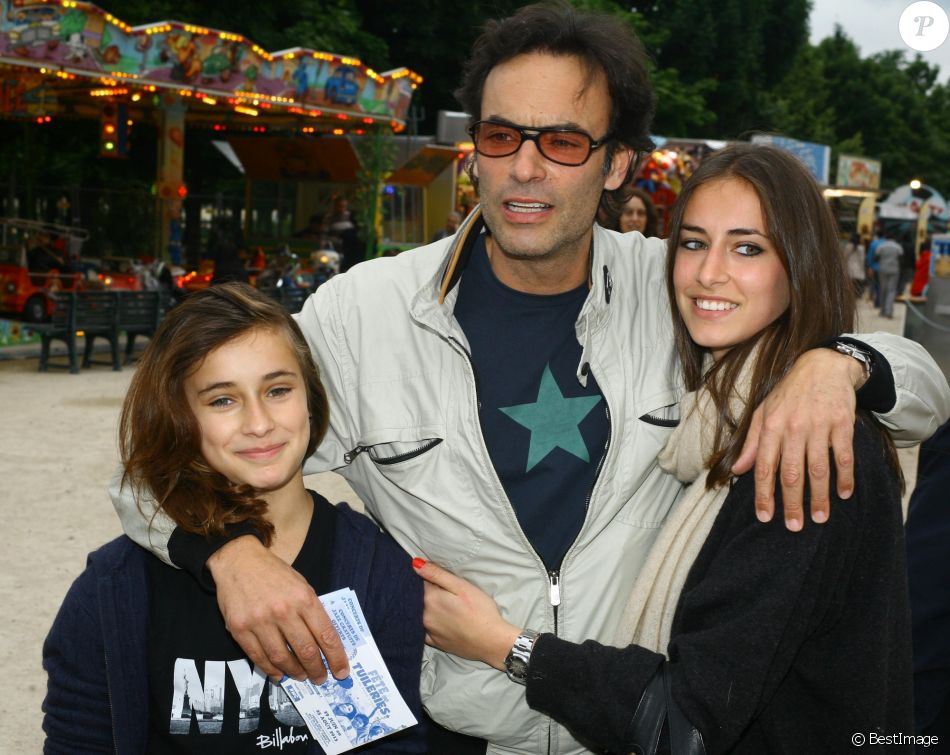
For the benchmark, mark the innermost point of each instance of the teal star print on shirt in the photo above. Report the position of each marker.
(553, 421)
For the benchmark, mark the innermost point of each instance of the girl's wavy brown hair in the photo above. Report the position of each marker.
(159, 437)
(804, 233)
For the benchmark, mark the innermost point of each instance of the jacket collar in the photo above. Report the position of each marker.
(461, 250)
(434, 302)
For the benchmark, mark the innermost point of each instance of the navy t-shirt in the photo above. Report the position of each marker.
(205, 695)
(545, 432)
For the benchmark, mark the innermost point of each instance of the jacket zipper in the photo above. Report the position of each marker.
(115, 741)
(349, 456)
(554, 594)
(554, 580)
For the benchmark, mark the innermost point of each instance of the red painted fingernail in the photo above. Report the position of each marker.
(418, 563)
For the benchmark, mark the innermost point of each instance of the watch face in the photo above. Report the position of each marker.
(516, 664)
(516, 668)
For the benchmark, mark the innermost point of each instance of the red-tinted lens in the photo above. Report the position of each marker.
(571, 147)
(496, 140)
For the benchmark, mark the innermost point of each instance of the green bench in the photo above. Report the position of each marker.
(139, 314)
(100, 314)
(90, 313)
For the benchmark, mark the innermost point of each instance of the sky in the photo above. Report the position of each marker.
(872, 24)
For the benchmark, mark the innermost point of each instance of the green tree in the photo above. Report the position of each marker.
(431, 40)
(733, 51)
(331, 25)
(883, 106)
(801, 105)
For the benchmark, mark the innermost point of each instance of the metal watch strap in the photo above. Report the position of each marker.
(855, 352)
(516, 664)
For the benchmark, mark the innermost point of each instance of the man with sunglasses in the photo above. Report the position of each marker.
(498, 398)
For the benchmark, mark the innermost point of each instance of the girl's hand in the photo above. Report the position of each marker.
(461, 619)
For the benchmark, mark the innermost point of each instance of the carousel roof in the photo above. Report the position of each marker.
(63, 57)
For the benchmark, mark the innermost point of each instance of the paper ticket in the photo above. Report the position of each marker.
(364, 707)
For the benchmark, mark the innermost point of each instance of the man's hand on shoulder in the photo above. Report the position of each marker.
(267, 606)
(811, 410)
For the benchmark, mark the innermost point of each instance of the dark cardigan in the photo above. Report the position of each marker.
(782, 642)
(928, 570)
(96, 654)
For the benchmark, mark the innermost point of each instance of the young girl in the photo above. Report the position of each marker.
(225, 405)
(739, 636)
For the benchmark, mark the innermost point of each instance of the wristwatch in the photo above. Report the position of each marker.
(516, 663)
(855, 352)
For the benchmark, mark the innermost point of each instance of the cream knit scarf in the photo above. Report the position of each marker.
(647, 619)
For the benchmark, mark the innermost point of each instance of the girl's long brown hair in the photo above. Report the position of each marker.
(159, 437)
(803, 231)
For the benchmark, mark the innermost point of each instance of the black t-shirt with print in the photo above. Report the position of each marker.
(205, 695)
(545, 431)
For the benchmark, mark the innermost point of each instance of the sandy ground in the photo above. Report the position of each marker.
(58, 439)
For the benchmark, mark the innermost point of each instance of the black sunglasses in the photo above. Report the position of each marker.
(563, 146)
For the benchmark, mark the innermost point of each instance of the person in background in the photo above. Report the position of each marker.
(638, 214)
(928, 543)
(341, 228)
(888, 255)
(315, 232)
(224, 406)
(451, 226)
(922, 273)
(734, 650)
(854, 256)
(874, 285)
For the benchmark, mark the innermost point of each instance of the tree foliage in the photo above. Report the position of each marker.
(729, 53)
(884, 106)
(331, 25)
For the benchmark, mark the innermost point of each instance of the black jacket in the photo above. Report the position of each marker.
(928, 568)
(782, 642)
